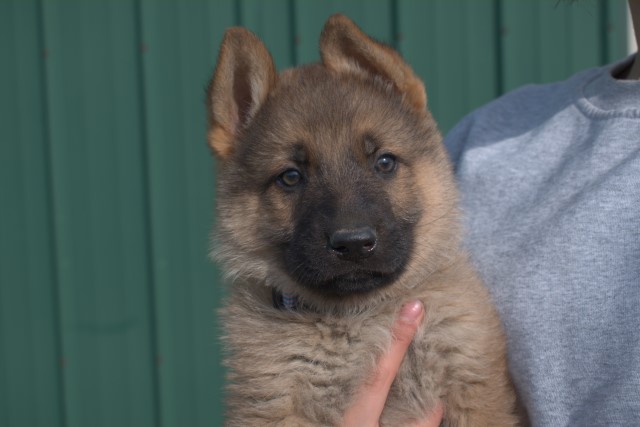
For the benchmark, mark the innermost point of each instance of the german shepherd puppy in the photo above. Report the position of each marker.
(336, 204)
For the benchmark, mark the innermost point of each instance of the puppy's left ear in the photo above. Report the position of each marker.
(344, 48)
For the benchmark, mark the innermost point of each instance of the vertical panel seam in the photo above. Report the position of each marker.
(146, 185)
(537, 52)
(237, 12)
(604, 33)
(394, 14)
(50, 203)
(293, 36)
(499, 25)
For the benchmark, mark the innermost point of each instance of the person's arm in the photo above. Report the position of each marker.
(367, 407)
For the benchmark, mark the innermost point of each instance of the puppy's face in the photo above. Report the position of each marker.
(329, 173)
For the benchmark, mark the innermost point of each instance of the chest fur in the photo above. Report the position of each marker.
(306, 367)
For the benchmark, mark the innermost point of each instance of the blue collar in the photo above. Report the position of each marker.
(284, 300)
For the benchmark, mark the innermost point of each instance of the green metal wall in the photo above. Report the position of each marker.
(107, 298)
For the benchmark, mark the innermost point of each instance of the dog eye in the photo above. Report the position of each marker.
(290, 178)
(386, 163)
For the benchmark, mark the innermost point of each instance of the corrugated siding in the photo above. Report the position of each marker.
(107, 298)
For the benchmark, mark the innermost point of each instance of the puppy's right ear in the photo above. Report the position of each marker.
(345, 48)
(240, 84)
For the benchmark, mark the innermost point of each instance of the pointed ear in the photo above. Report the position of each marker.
(240, 84)
(346, 49)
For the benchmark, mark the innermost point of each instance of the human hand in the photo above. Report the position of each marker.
(366, 409)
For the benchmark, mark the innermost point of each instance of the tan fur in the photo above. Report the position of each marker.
(302, 367)
(344, 48)
(245, 74)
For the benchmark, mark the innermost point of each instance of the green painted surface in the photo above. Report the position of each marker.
(451, 45)
(107, 295)
(272, 22)
(100, 212)
(30, 375)
(180, 42)
(374, 16)
(547, 40)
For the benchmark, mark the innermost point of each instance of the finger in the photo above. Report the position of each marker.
(369, 402)
(434, 419)
(403, 331)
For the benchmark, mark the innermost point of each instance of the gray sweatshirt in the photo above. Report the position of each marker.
(550, 183)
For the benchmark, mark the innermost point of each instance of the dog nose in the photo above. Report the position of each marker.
(353, 243)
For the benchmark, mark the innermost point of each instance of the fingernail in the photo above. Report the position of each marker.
(411, 311)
